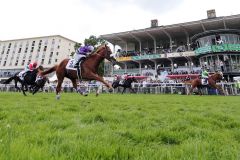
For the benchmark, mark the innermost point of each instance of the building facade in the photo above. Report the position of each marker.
(46, 51)
(169, 47)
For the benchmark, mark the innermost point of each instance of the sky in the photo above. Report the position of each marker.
(78, 19)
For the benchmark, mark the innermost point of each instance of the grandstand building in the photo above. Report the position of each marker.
(47, 51)
(181, 48)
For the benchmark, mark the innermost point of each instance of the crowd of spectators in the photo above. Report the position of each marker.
(180, 72)
(149, 51)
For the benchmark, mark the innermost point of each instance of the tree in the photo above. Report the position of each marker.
(76, 46)
(95, 42)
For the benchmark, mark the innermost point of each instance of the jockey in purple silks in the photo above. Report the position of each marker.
(81, 54)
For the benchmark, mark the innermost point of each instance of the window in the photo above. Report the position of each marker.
(45, 48)
(26, 49)
(32, 49)
(56, 60)
(42, 61)
(53, 41)
(57, 53)
(58, 47)
(23, 62)
(46, 42)
(4, 64)
(51, 54)
(9, 45)
(40, 43)
(33, 43)
(16, 63)
(19, 50)
(49, 61)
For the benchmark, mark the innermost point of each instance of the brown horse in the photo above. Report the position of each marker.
(211, 83)
(88, 69)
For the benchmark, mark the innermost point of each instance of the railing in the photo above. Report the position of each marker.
(155, 88)
(218, 48)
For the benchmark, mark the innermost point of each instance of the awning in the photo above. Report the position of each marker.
(181, 76)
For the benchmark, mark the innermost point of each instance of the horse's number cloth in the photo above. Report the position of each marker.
(70, 65)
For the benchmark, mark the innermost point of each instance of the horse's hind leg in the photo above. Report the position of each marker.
(58, 89)
(74, 83)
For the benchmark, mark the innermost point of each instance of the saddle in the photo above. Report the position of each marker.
(70, 66)
(204, 81)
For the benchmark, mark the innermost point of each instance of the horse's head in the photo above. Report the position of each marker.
(106, 52)
(134, 79)
(217, 76)
(40, 68)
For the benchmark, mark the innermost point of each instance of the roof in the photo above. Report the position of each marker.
(219, 31)
(38, 38)
(174, 30)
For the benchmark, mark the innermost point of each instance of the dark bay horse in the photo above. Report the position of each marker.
(88, 69)
(211, 83)
(127, 84)
(28, 80)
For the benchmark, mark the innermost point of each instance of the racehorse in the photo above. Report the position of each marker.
(126, 84)
(211, 83)
(28, 80)
(39, 83)
(88, 69)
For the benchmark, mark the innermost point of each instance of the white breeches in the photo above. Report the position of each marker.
(77, 57)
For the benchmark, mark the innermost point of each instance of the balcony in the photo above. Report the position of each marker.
(218, 48)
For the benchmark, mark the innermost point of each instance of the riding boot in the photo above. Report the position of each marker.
(76, 64)
(79, 62)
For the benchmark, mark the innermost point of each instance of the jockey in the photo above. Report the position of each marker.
(81, 54)
(205, 74)
(123, 78)
(30, 67)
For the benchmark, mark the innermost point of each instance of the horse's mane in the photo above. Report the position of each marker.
(98, 48)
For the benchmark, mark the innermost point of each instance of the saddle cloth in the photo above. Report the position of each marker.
(70, 65)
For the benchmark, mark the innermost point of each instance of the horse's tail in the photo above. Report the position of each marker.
(50, 70)
(8, 80)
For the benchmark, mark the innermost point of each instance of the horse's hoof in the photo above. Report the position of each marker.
(110, 90)
(97, 94)
(84, 94)
(57, 97)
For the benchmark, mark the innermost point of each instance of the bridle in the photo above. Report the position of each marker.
(105, 53)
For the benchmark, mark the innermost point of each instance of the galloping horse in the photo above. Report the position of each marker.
(88, 69)
(211, 83)
(127, 84)
(28, 80)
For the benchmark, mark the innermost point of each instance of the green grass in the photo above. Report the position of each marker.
(141, 127)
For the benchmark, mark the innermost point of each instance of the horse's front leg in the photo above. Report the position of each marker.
(23, 85)
(190, 91)
(18, 89)
(97, 91)
(221, 91)
(123, 90)
(100, 79)
(133, 91)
